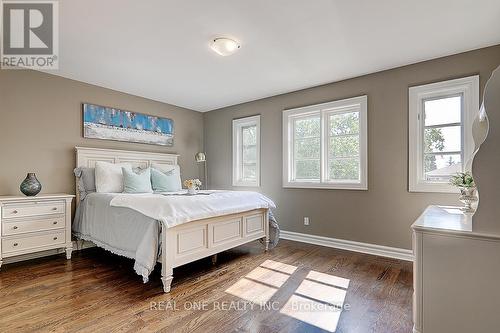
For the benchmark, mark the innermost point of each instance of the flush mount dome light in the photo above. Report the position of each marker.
(224, 46)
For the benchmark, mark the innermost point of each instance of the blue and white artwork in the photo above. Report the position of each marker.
(100, 122)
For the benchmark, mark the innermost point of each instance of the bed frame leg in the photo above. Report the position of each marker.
(166, 283)
(214, 259)
(167, 264)
(266, 239)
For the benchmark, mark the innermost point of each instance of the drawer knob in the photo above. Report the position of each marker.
(55, 222)
(15, 244)
(15, 212)
(55, 238)
(14, 227)
(55, 208)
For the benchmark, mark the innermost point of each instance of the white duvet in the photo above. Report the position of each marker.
(177, 208)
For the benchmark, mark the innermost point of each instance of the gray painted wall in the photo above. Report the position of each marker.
(383, 214)
(41, 123)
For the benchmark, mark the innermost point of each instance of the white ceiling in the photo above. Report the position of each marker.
(159, 49)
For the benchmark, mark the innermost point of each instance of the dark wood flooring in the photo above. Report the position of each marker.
(294, 288)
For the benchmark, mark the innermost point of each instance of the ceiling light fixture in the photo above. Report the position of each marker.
(224, 46)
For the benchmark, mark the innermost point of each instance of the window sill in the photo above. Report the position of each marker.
(246, 184)
(326, 186)
(433, 188)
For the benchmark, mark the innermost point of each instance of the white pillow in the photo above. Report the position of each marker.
(109, 176)
(170, 170)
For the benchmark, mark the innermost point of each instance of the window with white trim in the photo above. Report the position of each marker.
(440, 132)
(325, 145)
(246, 151)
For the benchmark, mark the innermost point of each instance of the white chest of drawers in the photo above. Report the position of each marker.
(33, 224)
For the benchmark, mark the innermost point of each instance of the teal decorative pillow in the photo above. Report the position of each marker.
(139, 182)
(166, 181)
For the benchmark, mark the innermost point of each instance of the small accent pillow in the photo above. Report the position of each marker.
(166, 181)
(109, 176)
(139, 182)
(86, 181)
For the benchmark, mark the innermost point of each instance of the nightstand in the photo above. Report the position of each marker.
(33, 224)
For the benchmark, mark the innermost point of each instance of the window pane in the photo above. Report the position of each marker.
(344, 169)
(307, 169)
(344, 123)
(249, 172)
(307, 148)
(443, 139)
(344, 146)
(249, 154)
(307, 127)
(443, 111)
(439, 168)
(249, 135)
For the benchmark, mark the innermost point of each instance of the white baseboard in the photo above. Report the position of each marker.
(377, 250)
(77, 246)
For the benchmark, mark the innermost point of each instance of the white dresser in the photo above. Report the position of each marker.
(456, 274)
(33, 224)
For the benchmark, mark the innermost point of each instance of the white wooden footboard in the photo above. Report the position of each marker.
(199, 239)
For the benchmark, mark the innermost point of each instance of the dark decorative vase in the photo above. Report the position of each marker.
(30, 186)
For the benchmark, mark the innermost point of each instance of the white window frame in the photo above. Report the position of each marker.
(238, 124)
(324, 110)
(468, 87)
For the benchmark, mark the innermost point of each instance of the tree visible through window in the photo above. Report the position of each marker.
(307, 136)
(442, 138)
(343, 152)
(249, 152)
(246, 151)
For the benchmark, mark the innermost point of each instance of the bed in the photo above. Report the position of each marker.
(178, 244)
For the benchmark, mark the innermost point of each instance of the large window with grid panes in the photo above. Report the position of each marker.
(325, 145)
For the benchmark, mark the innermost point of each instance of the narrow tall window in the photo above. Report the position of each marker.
(246, 151)
(325, 145)
(440, 132)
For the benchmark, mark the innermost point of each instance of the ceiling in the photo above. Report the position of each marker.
(159, 49)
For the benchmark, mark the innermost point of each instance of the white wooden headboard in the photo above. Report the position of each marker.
(87, 157)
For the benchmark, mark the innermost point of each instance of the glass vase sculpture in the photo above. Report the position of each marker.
(192, 190)
(468, 197)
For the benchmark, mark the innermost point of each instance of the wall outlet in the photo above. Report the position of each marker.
(306, 220)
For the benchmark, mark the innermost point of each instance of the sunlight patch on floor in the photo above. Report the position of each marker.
(252, 291)
(318, 300)
(268, 276)
(312, 312)
(279, 266)
(261, 283)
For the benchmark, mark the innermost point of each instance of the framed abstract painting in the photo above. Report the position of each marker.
(101, 122)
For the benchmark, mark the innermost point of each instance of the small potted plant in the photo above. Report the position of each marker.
(192, 185)
(465, 183)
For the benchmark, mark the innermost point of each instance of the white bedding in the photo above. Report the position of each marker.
(175, 208)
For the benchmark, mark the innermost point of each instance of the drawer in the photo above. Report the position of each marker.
(32, 242)
(37, 224)
(32, 209)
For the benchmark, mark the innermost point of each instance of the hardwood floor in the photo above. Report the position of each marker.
(295, 288)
